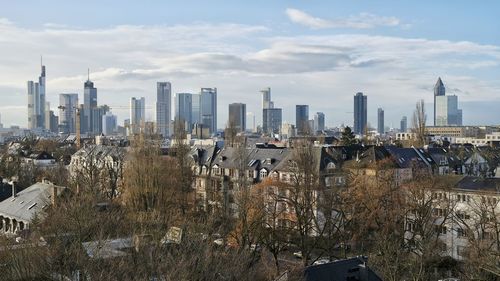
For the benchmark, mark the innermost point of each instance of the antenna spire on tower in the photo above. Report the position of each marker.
(88, 74)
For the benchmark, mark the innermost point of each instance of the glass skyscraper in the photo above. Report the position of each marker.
(238, 116)
(208, 108)
(302, 119)
(163, 108)
(360, 113)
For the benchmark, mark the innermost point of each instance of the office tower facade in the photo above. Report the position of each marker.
(47, 116)
(319, 121)
(163, 108)
(403, 124)
(447, 112)
(137, 114)
(195, 108)
(238, 116)
(439, 90)
(109, 123)
(272, 119)
(184, 110)
(36, 102)
(266, 98)
(302, 119)
(90, 119)
(208, 108)
(360, 113)
(380, 121)
(68, 104)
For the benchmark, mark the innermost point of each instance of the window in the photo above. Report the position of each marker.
(461, 232)
(263, 173)
(462, 216)
(438, 212)
(461, 251)
(440, 229)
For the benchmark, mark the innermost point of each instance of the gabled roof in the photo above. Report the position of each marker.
(478, 183)
(100, 151)
(256, 158)
(348, 269)
(29, 202)
(405, 157)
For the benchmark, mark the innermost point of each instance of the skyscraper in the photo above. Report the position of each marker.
(67, 113)
(90, 120)
(439, 90)
(195, 108)
(319, 121)
(163, 108)
(36, 102)
(109, 123)
(380, 121)
(266, 98)
(208, 108)
(137, 114)
(447, 112)
(184, 109)
(360, 113)
(272, 119)
(403, 124)
(302, 119)
(238, 116)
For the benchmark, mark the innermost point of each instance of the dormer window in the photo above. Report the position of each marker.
(263, 173)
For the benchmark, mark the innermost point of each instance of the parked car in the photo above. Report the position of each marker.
(321, 261)
(298, 254)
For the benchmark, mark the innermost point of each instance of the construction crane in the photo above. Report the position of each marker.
(78, 138)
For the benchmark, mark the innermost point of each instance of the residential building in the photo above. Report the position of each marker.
(271, 122)
(184, 110)
(380, 121)
(36, 102)
(454, 131)
(68, 104)
(137, 114)
(360, 113)
(302, 119)
(163, 108)
(208, 108)
(237, 116)
(319, 121)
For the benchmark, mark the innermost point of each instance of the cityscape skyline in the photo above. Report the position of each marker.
(304, 54)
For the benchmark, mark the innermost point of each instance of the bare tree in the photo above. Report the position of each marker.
(419, 121)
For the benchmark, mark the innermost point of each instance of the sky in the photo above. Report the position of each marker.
(311, 52)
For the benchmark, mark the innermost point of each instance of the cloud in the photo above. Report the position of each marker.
(322, 70)
(361, 21)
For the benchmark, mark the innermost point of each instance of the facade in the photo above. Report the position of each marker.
(266, 98)
(68, 104)
(195, 108)
(184, 110)
(137, 114)
(360, 113)
(380, 121)
(302, 119)
(454, 131)
(238, 116)
(439, 90)
(272, 119)
(109, 124)
(447, 112)
(90, 119)
(403, 125)
(36, 102)
(163, 108)
(208, 108)
(319, 121)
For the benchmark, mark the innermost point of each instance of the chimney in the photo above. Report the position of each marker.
(14, 193)
(53, 195)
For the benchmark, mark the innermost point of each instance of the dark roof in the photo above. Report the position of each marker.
(348, 269)
(477, 183)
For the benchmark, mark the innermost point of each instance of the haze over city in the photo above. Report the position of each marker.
(318, 54)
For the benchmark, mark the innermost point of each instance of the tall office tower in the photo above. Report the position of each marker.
(89, 123)
(68, 104)
(137, 114)
(272, 119)
(36, 102)
(96, 116)
(54, 122)
(47, 116)
(238, 116)
(208, 108)
(195, 109)
(184, 110)
(380, 121)
(266, 98)
(1, 125)
(163, 108)
(319, 121)
(109, 123)
(302, 119)
(403, 124)
(360, 113)
(439, 90)
(447, 112)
